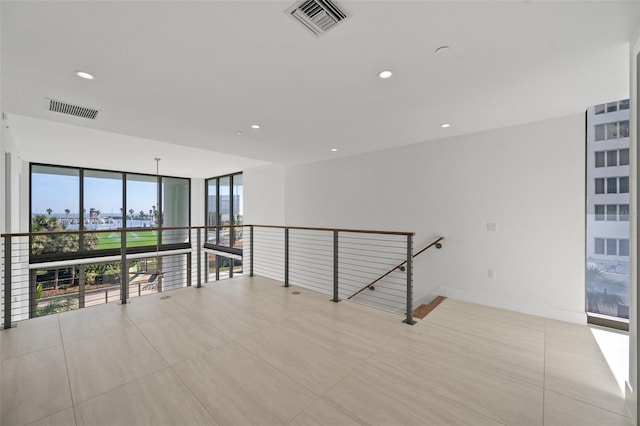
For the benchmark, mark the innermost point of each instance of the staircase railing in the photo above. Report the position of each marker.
(50, 272)
(399, 266)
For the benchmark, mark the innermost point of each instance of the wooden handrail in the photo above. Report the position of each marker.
(357, 231)
(173, 228)
(395, 267)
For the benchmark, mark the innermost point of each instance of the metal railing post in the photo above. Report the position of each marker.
(33, 289)
(286, 257)
(189, 269)
(409, 320)
(335, 267)
(251, 251)
(199, 258)
(7, 282)
(124, 271)
(82, 272)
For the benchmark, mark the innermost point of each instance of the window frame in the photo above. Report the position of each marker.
(84, 254)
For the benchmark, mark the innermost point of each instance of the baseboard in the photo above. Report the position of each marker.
(513, 305)
(428, 298)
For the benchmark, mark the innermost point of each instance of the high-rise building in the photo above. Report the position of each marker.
(608, 184)
(608, 208)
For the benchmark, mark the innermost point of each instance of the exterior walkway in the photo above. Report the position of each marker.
(249, 351)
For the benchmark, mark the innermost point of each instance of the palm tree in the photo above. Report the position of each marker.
(597, 295)
(131, 211)
(66, 214)
(49, 211)
(141, 214)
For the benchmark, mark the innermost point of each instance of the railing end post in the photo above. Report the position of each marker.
(251, 251)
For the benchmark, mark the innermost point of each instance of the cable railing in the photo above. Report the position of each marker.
(400, 266)
(338, 262)
(52, 272)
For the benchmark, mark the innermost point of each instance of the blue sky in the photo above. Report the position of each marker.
(58, 192)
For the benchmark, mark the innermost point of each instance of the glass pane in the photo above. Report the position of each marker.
(623, 211)
(599, 211)
(101, 210)
(624, 104)
(607, 261)
(624, 185)
(624, 129)
(225, 210)
(56, 290)
(212, 212)
(624, 247)
(624, 157)
(55, 201)
(600, 109)
(237, 210)
(600, 159)
(142, 196)
(175, 210)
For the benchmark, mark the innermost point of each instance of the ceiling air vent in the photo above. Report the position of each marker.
(70, 109)
(318, 16)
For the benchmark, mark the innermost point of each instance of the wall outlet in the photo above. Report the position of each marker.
(492, 273)
(492, 226)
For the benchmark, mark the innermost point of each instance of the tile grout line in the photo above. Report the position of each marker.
(544, 374)
(66, 366)
(589, 404)
(545, 390)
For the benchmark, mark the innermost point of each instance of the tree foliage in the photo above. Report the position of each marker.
(63, 243)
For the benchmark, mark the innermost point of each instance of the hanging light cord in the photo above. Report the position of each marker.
(159, 220)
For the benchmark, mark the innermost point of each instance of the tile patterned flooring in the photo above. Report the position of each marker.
(248, 351)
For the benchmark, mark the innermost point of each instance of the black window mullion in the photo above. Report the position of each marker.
(80, 210)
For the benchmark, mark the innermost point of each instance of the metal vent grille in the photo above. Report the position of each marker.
(70, 109)
(318, 16)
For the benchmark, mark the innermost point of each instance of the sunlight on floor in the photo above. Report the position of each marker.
(614, 345)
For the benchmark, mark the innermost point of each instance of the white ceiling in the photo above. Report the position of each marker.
(194, 73)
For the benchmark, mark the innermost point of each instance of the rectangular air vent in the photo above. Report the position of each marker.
(70, 109)
(317, 15)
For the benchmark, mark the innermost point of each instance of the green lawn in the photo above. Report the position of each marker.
(134, 239)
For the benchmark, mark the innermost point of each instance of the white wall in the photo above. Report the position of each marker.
(264, 189)
(528, 179)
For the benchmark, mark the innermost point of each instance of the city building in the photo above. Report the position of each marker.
(608, 217)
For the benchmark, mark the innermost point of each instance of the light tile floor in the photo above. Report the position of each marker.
(249, 351)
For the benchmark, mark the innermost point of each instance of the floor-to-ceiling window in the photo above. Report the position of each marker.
(100, 203)
(223, 199)
(607, 245)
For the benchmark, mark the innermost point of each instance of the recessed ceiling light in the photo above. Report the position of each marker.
(334, 149)
(445, 125)
(442, 50)
(239, 132)
(255, 126)
(384, 74)
(84, 75)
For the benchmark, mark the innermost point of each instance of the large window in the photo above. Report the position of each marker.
(78, 199)
(607, 242)
(224, 200)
